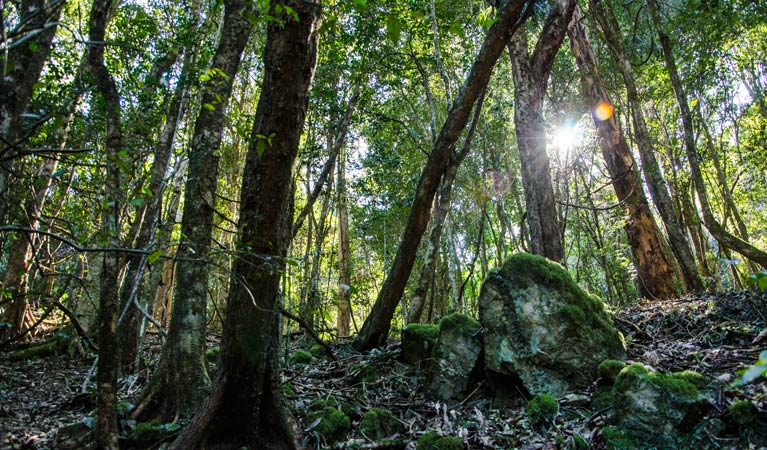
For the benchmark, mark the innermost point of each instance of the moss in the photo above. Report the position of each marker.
(616, 440)
(542, 409)
(573, 314)
(364, 373)
(48, 348)
(699, 380)
(578, 442)
(460, 323)
(379, 423)
(424, 331)
(212, 354)
(300, 358)
(676, 384)
(433, 441)
(318, 351)
(287, 390)
(333, 425)
(744, 413)
(331, 401)
(608, 371)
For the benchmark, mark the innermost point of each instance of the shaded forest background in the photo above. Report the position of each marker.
(266, 168)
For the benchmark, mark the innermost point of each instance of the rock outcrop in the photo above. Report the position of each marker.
(455, 356)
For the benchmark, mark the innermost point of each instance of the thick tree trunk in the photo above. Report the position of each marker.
(181, 382)
(106, 422)
(531, 75)
(678, 241)
(717, 229)
(343, 317)
(375, 330)
(246, 408)
(656, 277)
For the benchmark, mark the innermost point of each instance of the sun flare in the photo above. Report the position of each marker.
(566, 137)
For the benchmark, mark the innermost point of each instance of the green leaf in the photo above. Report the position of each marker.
(58, 173)
(205, 77)
(209, 107)
(154, 256)
(393, 28)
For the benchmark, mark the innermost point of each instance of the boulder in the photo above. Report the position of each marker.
(455, 356)
(658, 409)
(542, 329)
(418, 340)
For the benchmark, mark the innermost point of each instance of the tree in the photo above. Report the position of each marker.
(245, 408)
(719, 232)
(375, 330)
(678, 241)
(531, 75)
(656, 277)
(181, 383)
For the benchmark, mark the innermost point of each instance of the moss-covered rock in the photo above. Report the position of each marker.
(455, 356)
(331, 424)
(542, 328)
(433, 441)
(542, 409)
(147, 433)
(331, 401)
(379, 423)
(658, 409)
(300, 358)
(418, 340)
(608, 371)
(76, 436)
(744, 413)
(616, 440)
(211, 355)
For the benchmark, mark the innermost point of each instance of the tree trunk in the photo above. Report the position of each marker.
(181, 383)
(106, 422)
(344, 253)
(720, 233)
(656, 276)
(531, 74)
(375, 330)
(246, 408)
(678, 241)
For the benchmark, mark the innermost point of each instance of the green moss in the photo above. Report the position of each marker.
(287, 390)
(433, 441)
(424, 331)
(48, 348)
(699, 380)
(459, 322)
(676, 384)
(578, 442)
(542, 409)
(744, 413)
(379, 423)
(300, 358)
(333, 425)
(331, 401)
(212, 354)
(616, 440)
(318, 351)
(608, 371)
(364, 373)
(573, 314)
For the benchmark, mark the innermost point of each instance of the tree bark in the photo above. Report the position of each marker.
(531, 74)
(678, 241)
(106, 422)
(375, 330)
(343, 317)
(246, 408)
(181, 382)
(656, 276)
(720, 233)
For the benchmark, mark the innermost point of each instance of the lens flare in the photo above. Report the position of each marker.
(603, 111)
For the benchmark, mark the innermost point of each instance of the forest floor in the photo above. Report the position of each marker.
(714, 334)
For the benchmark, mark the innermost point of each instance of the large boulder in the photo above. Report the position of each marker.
(418, 341)
(542, 329)
(455, 356)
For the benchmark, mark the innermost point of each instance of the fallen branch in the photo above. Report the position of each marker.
(311, 332)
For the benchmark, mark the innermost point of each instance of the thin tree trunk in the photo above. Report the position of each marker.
(678, 241)
(246, 408)
(106, 422)
(344, 252)
(375, 330)
(656, 277)
(531, 73)
(720, 233)
(181, 382)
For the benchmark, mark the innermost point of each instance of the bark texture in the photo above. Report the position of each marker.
(245, 409)
(678, 241)
(375, 330)
(344, 314)
(531, 74)
(656, 277)
(182, 382)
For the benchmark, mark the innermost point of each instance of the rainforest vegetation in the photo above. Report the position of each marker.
(219, 220)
